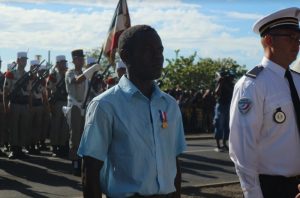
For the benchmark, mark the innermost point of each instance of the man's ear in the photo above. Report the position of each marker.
(269, 40)
(124, 56)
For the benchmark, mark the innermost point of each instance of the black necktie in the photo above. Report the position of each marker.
(295, 97)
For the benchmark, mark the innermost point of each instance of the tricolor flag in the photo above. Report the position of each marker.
(119, 23)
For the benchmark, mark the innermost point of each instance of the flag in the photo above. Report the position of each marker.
(119, 23)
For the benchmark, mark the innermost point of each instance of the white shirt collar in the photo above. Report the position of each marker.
(279, 70)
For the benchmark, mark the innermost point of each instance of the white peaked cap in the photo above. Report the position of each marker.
(90, 60)
(34, 62)
(22, 55)
(120, 64)
(60, 58)
(287, 18)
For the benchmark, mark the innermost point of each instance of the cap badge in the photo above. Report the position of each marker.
(279, 116)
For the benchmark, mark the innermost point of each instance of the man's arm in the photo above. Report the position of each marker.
(90, 177)
(78, 79)
(177, 181)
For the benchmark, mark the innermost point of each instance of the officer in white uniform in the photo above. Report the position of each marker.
(264, 140)
(77, 86)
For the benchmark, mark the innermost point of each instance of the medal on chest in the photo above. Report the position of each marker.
(279, 116)
(163, 118)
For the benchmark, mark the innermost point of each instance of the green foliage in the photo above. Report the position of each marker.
(196, 73)
(103, 61)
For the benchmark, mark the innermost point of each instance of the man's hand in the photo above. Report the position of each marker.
(298, 195)
(90, 177)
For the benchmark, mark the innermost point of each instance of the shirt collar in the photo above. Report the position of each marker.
(279, 70)
(130, 89)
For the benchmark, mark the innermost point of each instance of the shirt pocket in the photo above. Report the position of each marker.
(273, 104)
(279, 100)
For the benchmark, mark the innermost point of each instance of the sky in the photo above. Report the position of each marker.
(212, 28)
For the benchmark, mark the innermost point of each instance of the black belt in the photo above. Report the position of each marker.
(280, 178)
(37, 102)
(170, 195)
(23, 100)
(136, 195)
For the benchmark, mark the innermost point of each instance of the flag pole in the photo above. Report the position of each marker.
(117, 26)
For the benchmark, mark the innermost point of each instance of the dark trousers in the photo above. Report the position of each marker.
(279, 186)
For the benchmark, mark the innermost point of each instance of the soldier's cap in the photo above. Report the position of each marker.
(283, 19)
(120, 64)
(90, 60)
(34, 62)
(77, 53)
(60, 58)
(22, 55)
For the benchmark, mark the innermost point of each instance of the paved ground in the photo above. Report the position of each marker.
(44, 176)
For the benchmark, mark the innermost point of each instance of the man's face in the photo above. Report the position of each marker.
(286, 44)
(22, 62)
(147, 57)
(61, 66)
(78, 61)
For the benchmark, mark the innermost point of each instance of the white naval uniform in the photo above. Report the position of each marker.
(257, 144)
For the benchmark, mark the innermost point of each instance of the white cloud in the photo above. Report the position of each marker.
(181, 26)
(239, 15)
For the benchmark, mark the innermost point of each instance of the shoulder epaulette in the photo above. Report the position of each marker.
(253, 73)
(295, 71)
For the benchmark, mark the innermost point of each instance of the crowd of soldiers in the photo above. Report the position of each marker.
(48, 102)
(197, 108)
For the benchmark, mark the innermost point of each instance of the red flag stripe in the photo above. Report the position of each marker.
(120, 22)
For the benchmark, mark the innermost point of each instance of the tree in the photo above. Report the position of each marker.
(103, 62)
(196, 73)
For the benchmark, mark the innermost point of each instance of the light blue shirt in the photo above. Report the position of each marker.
(124, 129)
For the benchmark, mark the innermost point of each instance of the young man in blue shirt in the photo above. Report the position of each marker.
(134, 133)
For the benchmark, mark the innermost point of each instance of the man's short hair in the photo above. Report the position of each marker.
(129, 37)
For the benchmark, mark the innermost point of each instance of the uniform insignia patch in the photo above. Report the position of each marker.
(279, 116)
(244, 105)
